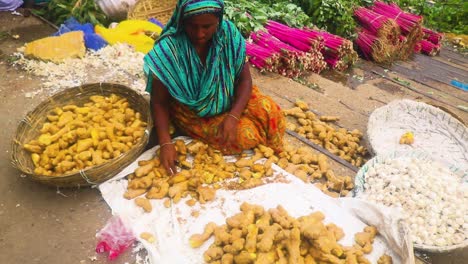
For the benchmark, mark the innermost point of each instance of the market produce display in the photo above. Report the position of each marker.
(293, 52)
(199, 178)
(388, 33)
(338, 52)
(310, 167)
(75, 137)
(257, 235)
(434, 199)
(203, 170)
(341, 142)
(380, 40)
(373, 48)
(276, 51)
(410, 25)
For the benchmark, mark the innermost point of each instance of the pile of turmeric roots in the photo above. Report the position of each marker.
(76, 137)
(209, 171)
(260, 236)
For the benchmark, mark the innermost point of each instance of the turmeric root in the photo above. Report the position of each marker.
(148, 237)
(366, 238)
(245, 258)
(407, 138)
(159, 190)
(329, 118)
(251, 239)
(132, 193)
(385, 259)
(265, 243)
(302, 105)
(213, 254)
(197, 240)
(242, 163)
(180, 147)
(144, 203)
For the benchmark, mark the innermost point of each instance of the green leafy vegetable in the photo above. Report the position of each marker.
(251, 15)
(85, 11)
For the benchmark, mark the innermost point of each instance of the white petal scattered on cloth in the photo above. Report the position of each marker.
(118, 63)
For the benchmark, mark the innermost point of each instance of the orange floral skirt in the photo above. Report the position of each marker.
(261, 123)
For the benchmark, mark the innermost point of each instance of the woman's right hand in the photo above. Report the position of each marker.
(168, 158)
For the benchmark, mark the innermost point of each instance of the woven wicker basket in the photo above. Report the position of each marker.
(29, 127)
(160, 9)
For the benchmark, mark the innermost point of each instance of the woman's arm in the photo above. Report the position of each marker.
(160, 98)
(243, 91)
(227, 131)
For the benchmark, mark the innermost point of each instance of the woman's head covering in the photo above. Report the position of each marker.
(206, 89)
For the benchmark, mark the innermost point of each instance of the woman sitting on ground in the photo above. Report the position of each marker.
(199, 79)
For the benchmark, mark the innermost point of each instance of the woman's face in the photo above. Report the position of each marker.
(200, 28)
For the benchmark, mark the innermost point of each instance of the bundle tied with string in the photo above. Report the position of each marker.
(410, 25)
(338, 52)
(373, 48)
(433, 36)
(381, 26)
(429, 48)
(30, 128)
(262, 58)
(292, 62)
(288, 51)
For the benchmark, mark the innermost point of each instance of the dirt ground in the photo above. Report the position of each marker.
(40, 224)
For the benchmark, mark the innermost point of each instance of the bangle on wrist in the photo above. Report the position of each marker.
(165, 144)
(233, 116)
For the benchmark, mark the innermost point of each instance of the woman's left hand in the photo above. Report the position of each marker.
(227, 131)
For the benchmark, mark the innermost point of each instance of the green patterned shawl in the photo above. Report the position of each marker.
(208, 90)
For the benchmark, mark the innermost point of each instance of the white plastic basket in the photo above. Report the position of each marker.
(436, 132)
(360, 180)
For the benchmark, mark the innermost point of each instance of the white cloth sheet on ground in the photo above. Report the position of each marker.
(173, 226)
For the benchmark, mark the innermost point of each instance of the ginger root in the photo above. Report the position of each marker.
(263, 239)
(148, 237)
(385, 259)
(197, 240)
(132, 193)
(339, 141)
(407, 138)
(144, 203)
(366, 238)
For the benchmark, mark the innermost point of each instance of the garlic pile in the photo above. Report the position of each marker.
(433, 199)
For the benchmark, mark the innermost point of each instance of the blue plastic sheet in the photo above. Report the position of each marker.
(92, 40)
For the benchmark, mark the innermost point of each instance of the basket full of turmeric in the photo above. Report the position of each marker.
(82, 136)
